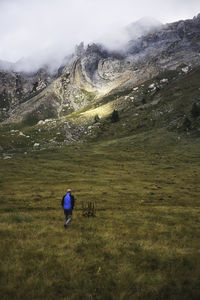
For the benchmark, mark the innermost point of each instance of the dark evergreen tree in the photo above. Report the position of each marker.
(195, 110)
(114, 116)
(96, 119)
(186, 124)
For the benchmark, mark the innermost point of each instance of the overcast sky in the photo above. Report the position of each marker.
(48, 28)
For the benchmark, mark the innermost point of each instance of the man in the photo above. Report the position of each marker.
(68, 206)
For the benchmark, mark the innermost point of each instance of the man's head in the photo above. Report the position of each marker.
(69, 191)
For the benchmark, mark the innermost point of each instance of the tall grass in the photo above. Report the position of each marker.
(143, 242)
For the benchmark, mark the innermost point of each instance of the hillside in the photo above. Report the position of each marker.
(159, 70)
(170, 101)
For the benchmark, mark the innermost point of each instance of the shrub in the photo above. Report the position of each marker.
(88, 210)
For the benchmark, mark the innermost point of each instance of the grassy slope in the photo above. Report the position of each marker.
(166, 107)
(143, 242)
(173, 105)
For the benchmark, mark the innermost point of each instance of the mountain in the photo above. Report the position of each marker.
(18, 88)
(147, 79)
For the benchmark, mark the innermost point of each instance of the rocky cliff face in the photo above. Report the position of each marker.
(18, 88)
(94, 74)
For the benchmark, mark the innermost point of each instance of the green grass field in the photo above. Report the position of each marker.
(142, 244)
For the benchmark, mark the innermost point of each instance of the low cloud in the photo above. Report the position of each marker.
(43, 32)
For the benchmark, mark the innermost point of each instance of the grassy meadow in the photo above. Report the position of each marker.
(144, 242)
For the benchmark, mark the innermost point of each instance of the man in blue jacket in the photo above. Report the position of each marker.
(68, 206)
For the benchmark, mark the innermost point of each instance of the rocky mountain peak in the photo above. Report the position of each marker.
(94, 72)
(79, 50)
(197, 19)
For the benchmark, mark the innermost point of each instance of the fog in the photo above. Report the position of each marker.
(39, 32)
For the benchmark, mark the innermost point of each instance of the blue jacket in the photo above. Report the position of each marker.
(67, 202)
